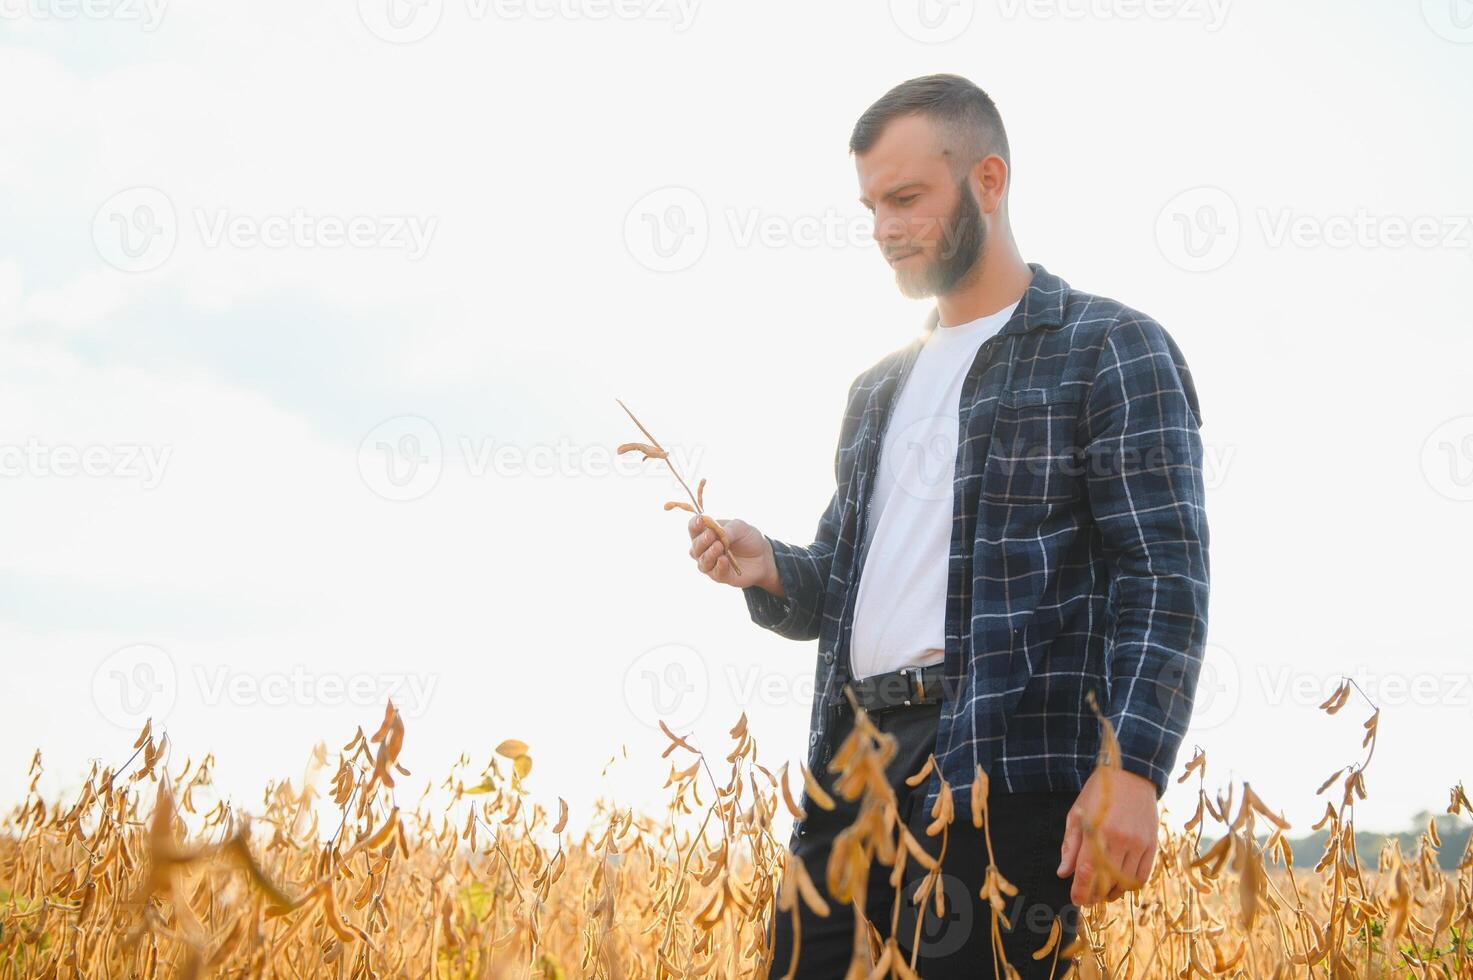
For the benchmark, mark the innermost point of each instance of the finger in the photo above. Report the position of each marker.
(694, 525)
(1126, 862)
(1125, 882)
(1099, 872)
(723, 567)
(709, 556)
(1116, 885)
(700, 543)
(1069, 851)
(1079, 891)
(1083, 891)
(1144, 865)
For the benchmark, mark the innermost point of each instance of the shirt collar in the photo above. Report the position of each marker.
(1042, 306)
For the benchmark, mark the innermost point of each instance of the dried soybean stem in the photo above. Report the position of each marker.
(695, 499)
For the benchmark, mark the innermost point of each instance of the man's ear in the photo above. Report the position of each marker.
(989, 182)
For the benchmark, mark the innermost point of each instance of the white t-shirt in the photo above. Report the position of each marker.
(900, 611)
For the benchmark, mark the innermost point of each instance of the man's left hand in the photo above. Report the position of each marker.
(1122, 807)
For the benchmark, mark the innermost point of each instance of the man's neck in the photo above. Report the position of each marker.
(1000, 280)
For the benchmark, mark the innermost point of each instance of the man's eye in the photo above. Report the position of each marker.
(907, 200)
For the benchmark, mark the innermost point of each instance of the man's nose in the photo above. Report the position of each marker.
(888, 229)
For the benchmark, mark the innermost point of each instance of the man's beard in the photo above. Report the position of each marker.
(960, 248)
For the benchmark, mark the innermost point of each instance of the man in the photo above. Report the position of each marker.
(1017, 523)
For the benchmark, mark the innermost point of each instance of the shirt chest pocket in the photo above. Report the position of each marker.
(1035, 456)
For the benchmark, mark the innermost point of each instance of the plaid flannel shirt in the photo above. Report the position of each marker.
(1078, 558)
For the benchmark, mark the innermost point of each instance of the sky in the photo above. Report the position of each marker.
(313, 317)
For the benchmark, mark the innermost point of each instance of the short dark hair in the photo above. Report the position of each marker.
(967, 115)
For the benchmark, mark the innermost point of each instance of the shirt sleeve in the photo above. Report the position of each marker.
(804, 569)
(1143, 461)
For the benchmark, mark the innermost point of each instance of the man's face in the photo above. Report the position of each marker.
(928, 225)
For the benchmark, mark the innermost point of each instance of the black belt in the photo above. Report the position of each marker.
(906, 687)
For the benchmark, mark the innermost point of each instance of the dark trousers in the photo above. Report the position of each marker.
(1027, 830)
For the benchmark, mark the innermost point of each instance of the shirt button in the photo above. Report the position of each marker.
(828, 656)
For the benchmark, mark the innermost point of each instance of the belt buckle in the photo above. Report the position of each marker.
(917, 684)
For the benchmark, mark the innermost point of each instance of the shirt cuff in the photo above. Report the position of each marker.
(766, 609)
(1148, 769)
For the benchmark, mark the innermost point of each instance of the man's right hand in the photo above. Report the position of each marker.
(748, 545)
